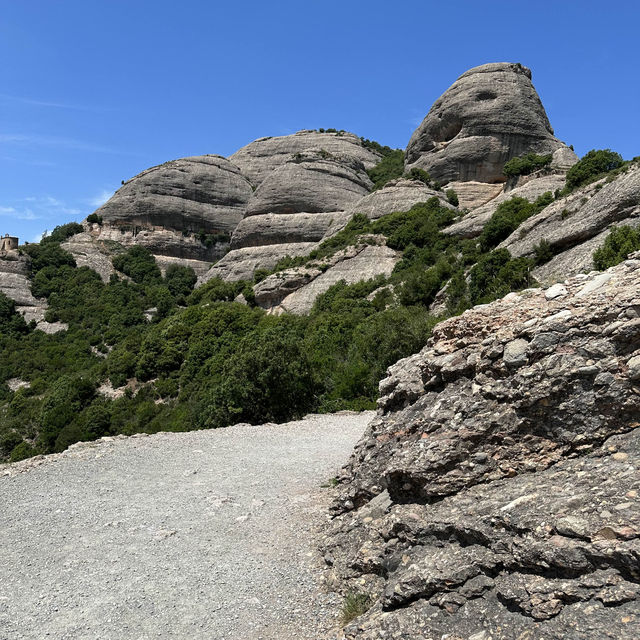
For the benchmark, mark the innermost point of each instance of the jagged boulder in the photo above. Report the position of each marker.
(201, 193)
(495, 495)
(489, 115)
(259, 158)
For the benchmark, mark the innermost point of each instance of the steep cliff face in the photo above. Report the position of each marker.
(496, 493)
(489, 115)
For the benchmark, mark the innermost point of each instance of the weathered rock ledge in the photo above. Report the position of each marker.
(496, 493)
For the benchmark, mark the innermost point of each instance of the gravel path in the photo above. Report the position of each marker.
(207, 534)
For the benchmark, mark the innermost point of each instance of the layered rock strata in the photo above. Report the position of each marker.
(496, 493)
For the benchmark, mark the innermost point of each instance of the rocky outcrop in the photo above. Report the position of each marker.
(489, 115)
(15, 283)
(571, 225)
(259, 158)
(201, 193)
(472, 194)
(495, 495)
(299, 203)
(279, 228)
(312, 181)
(396, 195)
(296, 290)
(531, 188)
(240, 264)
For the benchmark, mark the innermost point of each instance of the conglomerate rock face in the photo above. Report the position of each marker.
(489, 115)
(259, 158)
(496, 493)
(201, 193)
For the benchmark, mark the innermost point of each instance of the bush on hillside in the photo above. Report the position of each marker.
(524, 165)
(389, 168)
(620, 242)
(139, 264)
(591, 166)
(508, 217)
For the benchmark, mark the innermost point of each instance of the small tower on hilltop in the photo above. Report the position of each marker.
(8, 243)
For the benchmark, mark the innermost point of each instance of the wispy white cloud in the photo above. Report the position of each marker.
(51, 104)
(28, 139)
(99, 199)
(39, 208)
(19, 213)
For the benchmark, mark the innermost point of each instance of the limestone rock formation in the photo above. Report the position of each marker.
(15, 284)
(201, 193)
(570, 224)
(295, 290)
(240, 264)
(312, 181)
(396, 195)
(279, 228)
(496, 493)
(530, 188)
(259, 158)
(300, 202)
(489, 115)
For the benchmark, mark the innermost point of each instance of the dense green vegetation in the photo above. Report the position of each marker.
(595, 164)
(620, 242)
(524, 165)
(389, 168)
(508, 217)
(203, 360)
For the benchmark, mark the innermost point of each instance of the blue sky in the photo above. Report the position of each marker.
(94, 91)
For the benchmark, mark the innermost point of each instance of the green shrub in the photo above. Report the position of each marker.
(180, 281)
(139, 264)
(420, 175)
(496, 274)
(524, 165)
(389, 168)
(61, 233)
(11, 322)
(542, 252)
(94, 218)
(452, 197)
(355, 604)
(591, 166)
(620, 242)
(23, 451)
(508, 217)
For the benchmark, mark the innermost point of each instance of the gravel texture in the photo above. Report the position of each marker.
(208, 534)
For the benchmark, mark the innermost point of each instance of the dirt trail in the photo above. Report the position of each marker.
(207, 534)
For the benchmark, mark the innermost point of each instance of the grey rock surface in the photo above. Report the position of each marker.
(504, 458)
(278, 228)
(367, 262)
(311, 181)
(200, 193)
(472, 194)
(240, 264)
(585, 214)
(259, 158)
(489, 115)
(201, 535)
(471, 224)
(396, 195)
